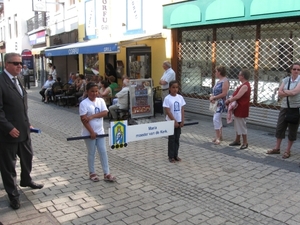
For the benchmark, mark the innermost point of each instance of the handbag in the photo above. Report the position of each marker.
(213, 106)
(292, 114)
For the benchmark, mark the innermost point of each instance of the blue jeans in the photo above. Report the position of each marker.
(91, 147)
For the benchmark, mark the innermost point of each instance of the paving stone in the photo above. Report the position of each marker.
(212, 184)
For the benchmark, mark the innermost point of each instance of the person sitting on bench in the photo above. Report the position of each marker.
(122, 102)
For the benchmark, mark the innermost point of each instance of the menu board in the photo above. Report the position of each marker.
(141, 98)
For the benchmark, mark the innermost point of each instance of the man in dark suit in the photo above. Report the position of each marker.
(14, 130)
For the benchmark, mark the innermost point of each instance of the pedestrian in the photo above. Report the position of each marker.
(167, 77)
(289, 91)
(25, 74)
(14, 130)
(242, 97)
(174, 107)
(110, 71)
(54, 73)
(92, 110)
(220, 91)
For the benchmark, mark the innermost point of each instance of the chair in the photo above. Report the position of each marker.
(126, 112)
(66, 98)
(56, 90)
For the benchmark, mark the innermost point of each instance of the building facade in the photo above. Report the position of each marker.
(128, 34)
(255, 34)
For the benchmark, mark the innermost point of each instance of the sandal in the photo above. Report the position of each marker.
(273, 151)
(94, 177)
(244, 146)
(109, 177)
(215, 139)
(217, 142)
(172, 160)
(286, 155)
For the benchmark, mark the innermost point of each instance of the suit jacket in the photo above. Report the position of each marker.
(13, 111)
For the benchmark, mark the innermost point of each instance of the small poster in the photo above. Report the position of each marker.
(141, 98)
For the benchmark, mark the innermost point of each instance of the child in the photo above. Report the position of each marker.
(173, 105)
(92, 110)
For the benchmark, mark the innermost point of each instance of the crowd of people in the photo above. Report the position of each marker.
(238, 105)
(96, 93)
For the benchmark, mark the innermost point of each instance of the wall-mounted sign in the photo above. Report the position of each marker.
(27, 58)
(39, 5)
(37, 38)
(134, 16)
(90, 19)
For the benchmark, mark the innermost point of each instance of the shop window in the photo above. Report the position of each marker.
(138, 62)
(91, 64)
(57, 5)
(9, 27)
(16, 25)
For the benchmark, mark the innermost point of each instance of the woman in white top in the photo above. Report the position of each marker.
(92, 110)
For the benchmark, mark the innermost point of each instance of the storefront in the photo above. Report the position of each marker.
(64, 63)
(139, 58)
(88, 62)
(255, 34)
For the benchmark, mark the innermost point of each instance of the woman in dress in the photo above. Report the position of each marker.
(242, 97)
(220, 91)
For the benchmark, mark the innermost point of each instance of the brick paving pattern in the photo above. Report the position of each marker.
(214, 184)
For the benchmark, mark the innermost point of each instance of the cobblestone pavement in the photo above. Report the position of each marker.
(212, 185)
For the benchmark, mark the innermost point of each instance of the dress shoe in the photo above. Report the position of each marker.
(33, 185)
(15, 203)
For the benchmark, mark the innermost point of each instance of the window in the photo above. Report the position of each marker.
(57, 5)
(138, 62)
(16, 25)
(9, 27)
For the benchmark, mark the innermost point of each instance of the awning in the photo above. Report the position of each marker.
(37, 51)
(88, 47)
(134, 39)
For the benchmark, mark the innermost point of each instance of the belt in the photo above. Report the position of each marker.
(165, 89)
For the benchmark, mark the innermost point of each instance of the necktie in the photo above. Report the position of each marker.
(17, 86)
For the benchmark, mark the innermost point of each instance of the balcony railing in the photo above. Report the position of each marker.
(39, 20)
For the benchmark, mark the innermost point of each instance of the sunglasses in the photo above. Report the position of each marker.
(296, 69)
(16, 63)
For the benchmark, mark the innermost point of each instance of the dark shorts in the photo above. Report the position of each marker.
(282, 127)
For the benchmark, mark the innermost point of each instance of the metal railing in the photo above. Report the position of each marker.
(39, 20)
(267, 49)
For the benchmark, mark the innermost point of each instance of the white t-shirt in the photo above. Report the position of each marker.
(168, 76)
(54, 74)
(87, 107)
(174, 103)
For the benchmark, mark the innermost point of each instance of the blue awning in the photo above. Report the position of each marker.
(88, 47)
